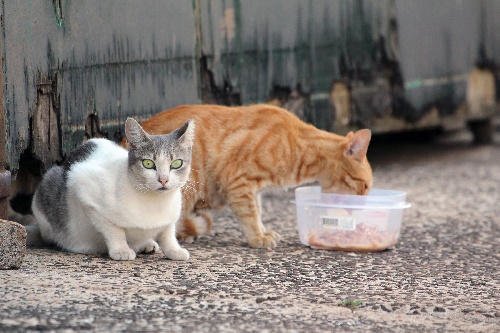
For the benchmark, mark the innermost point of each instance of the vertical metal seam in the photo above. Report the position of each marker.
(5, 175)
(4, 126)
(3, 118)
(198, 47)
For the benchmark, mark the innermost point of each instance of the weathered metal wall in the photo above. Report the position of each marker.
(454, 36)
(66, 60)
(284, 52)
(388, 65)
(77, 69)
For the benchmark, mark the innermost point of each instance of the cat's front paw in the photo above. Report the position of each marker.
(269, 239)
(122, 254)
(177, 254)
(274, 235)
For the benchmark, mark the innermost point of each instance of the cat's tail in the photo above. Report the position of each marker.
(34, 239)
(195, 225)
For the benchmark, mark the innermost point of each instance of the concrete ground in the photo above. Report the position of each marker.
(442, 276)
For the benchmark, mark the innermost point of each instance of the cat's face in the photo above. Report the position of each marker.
(159, 162)
(350, 173)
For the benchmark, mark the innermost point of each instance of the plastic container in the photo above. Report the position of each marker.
(349, 222)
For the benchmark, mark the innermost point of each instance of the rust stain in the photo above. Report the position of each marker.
(4, 193)
(93, 128)
(228, 24)
(46, 143)
(341, 101)
(481, 93)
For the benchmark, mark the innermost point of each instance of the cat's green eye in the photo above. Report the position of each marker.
(176, 164)
(148, 164)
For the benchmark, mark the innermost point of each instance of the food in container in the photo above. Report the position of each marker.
(349, 222)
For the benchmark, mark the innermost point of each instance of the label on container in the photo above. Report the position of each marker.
(339, 222)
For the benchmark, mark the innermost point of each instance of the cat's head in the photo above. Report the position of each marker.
(350, 172)
(159, 162)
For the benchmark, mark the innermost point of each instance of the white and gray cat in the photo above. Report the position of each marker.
(105, 199)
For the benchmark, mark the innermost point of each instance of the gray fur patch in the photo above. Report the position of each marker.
(52, 191)
(51, 198)
(80, 154)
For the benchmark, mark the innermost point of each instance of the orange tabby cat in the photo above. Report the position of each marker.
(240, 150)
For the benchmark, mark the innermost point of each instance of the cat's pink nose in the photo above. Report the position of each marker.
(163, 181)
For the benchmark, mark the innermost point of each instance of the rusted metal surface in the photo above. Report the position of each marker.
(211, 93)
(266, 49)
(46, 127)
(4, 193)
(396, 63)
(75, 70)
(126, 58)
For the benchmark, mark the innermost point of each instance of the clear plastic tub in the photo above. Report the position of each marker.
(349, 222)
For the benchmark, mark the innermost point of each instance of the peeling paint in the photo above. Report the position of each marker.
(481, 92)
(228, 25)
(115, 52)
(213, 94)
(341, 101)
(428, 82)
(296, 101)
(58, 12)
(46, 135)
(5, 179)
(93, 128)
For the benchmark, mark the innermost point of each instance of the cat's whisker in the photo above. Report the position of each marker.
(196, 186)
(193, 190)
(189, 188)
(191, 182)
(197, 171)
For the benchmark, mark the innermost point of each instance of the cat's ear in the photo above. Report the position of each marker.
(357, 144)
(136, 136)
(185, 134)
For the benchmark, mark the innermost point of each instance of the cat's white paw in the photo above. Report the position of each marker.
(122, 254)
(178, 254)
(150, 247)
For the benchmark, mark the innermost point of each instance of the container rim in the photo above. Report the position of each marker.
(384, 193)
(398, 205)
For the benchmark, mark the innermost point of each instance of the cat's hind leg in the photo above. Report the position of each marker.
(150, 247)
(142, 240)
(34, 237)
(42, 229)
(147, 247)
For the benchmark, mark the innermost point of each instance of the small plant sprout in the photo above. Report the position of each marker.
(348, 303)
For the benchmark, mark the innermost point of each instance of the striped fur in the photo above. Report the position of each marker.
(238, 151)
